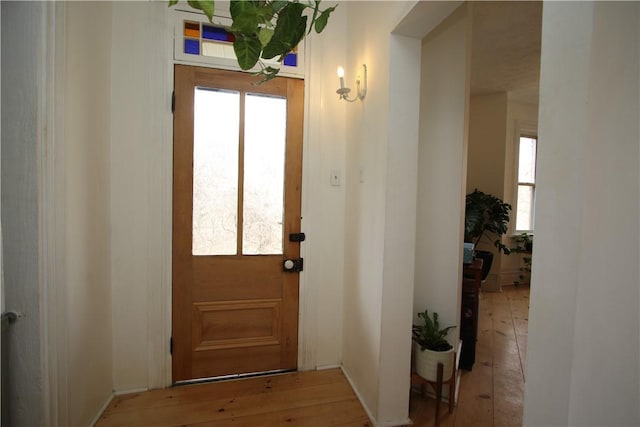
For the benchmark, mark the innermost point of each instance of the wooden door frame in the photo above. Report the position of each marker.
(160, 361)
(202, 283)
(160, 309)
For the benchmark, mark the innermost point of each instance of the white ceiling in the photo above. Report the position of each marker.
(506, 48)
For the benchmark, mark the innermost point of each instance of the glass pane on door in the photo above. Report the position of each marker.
(264, 153)
(216, 118)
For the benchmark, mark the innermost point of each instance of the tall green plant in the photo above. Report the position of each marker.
(267, 29)
(429, 335)
(486, 215)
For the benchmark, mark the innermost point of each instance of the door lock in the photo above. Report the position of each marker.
(297, 237)
(293, 265)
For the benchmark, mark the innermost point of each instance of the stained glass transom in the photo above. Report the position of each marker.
(202, 39)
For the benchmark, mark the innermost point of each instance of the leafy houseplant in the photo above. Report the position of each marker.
(486, 216)
(431, 348)
(429, 335)
(267, 29)
(524, 246)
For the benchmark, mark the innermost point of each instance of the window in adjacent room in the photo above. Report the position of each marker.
(526, 183)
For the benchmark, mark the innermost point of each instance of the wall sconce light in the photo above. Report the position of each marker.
(361, 92)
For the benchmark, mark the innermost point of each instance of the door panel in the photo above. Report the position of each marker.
(234, 309)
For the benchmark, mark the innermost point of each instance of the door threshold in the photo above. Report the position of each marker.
(232, 377)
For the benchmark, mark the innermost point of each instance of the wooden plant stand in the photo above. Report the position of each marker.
(437, 386)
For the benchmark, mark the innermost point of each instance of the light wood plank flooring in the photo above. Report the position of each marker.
(490, 395)
(305, 399)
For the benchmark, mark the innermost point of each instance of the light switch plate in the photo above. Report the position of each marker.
(336, 178)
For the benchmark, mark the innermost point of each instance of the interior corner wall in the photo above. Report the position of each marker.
(367, 156)
(487, 139)
(442, 168)
(486, 162)
(141, 149)
(323, 204)
(583, 361)
(364, 218)
(22, 385)
(86, 186)
(400, 230)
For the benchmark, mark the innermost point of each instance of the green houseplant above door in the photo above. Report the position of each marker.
(269, 29)
(487, 217)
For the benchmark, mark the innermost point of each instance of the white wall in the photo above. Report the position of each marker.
(583, 359)
(400, 229)
(378, 276)
(487, 140)
(20, 224)
(382, 180)
(364, 218)
(141, 149)
(322, 281)
(442, 168)
(87, 249)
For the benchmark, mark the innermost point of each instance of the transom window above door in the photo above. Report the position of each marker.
(200, 42)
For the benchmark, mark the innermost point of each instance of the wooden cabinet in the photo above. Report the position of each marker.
(471, 283)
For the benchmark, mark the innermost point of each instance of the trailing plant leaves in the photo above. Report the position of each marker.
(278, 5)
(290, 29)
(265, 35)
(316, 9)
(322, 20)
(245, 17)
(267, 73)
(258, 37)
(247, 50)
(206, 6)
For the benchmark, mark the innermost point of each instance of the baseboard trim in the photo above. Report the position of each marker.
(130, 391)
(327, 367)
(396, 423)
(405, 422)
(101, 411)
(355, 390)
(110, 399)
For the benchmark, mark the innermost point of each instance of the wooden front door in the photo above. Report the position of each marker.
(236, 200)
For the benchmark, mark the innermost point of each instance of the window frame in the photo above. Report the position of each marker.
(524, 130)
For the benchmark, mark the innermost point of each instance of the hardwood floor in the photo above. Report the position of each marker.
(305, 399)
(490, 395)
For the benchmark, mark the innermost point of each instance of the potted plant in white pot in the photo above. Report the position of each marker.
(431, 348)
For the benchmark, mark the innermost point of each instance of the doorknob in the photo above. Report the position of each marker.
(293, 265)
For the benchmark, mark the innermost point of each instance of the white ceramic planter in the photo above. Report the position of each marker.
(426, 363)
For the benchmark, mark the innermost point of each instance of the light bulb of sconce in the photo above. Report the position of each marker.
(341, 76)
